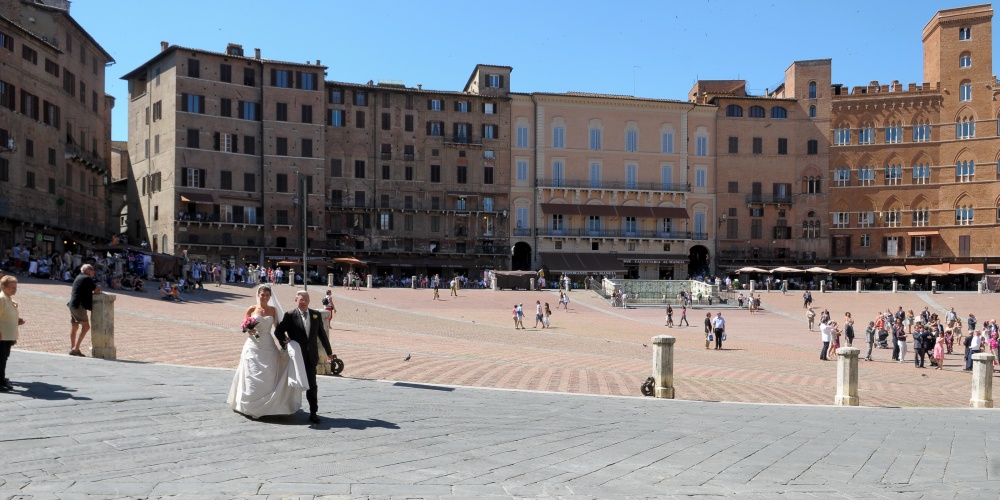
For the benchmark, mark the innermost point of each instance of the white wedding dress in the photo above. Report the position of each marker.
(268, 381)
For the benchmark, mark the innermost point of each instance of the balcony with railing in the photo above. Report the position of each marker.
(428, 246)
(613, 185)
(616, 233)
(445, 205)
(463, 140)
(769, 199)
(89, 158)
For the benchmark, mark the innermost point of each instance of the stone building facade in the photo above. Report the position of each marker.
(55, 129)
(772, 157)
(226, 147)
(913, 167)
(605, 184)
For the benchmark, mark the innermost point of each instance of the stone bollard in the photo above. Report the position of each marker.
(493, 283)
(329, 279)
(150, 268)
(982, 381)
(822, 287)
(323, 366)
(413, 282)
(753, 285)
(980, 288)
(895, 286)
(369, 281)
(663, 366)
(933, 287)
(102, 327)
(291, 276)
(857, 286)
(847, 376)
(531, 284)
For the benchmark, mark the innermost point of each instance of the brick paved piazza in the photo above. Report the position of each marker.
(770, 357)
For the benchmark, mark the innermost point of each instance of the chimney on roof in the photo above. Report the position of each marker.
(256, 53)
(317, 62)
(163, 46)
(420, 86)
(234, 49)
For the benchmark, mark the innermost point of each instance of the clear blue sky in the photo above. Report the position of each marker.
(646, 48)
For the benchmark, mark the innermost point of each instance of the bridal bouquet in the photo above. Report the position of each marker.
(250, 326)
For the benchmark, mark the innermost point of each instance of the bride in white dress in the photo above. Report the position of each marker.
(268, 381)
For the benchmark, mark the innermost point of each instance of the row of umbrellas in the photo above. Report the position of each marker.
(349, 261)
(883, 270)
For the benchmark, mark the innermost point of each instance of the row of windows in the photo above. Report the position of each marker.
(596, 140)
(920, 217)
(965, 171)
(736, 111)
(31, 55)
(410, 173)
(965, 128)
(304, 80)
(595, 170)
(337, 95)
(812, 146)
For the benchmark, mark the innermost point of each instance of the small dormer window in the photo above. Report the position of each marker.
(493, 81)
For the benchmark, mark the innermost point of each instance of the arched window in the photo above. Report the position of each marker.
(756, 112)
(866, 135)
(779, 112)
(812, 111)
(893, 133)
(921, 131)
(965, 170)
(965, 60)
(812, 90)
(734, 111)
(964, 215)
(965, 128)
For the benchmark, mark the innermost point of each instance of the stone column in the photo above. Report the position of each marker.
(102, 327)
(663, 366)
(291, 275)
(329, 280)
(369, 281)
(933, 287)
(895, 286)
(982, 381)
(979, 287)
(150, 270)
(531, 285)
(753, 284)
(322, 365)
(822, 286)
(857, 286)
(413, 282)
(847, 376)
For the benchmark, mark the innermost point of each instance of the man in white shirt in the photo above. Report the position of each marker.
(719, 326)
(825, 334)
(975, 346)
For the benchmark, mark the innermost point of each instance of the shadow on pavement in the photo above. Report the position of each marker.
(49, 392)
(423, 386)
(353, 423)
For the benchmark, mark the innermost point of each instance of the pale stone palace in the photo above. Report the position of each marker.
(233, 156)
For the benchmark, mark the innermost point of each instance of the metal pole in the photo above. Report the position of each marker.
(305, 231)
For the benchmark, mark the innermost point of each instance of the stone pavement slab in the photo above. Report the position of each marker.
(155, 430)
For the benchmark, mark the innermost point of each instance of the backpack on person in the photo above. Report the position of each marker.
(326, 301)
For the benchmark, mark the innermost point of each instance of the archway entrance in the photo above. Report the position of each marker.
(521, 257)
(698, 261)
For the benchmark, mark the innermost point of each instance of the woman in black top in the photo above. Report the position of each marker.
(708, 328)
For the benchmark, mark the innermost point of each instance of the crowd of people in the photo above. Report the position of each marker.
(928, 335)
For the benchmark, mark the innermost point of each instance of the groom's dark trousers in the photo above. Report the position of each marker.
(293, 328)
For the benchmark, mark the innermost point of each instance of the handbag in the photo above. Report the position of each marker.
(723, 337)
(711, 337)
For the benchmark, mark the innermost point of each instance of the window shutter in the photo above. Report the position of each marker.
(237, 214)
(184, 102)
(928, 245)
(885, 244)
(216, 210)
(236, 148)
(274, 76)
(256, 111)
(390, 221)
(900, 246)
(260, 214)
(201, 104)
(184, 177)
(429, 104)
(501, 81)
(216, 140)
(239, 110)
(298, 79)
(428, 128)
(202, 175)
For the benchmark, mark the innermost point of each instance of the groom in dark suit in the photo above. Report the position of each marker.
(304, 325)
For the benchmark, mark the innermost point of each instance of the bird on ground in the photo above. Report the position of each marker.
(644, 345)
(407, 358)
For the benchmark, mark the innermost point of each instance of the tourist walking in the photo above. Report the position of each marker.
(973, 344)
(548, 314)
(849, 329)
(684, 316)
(538, 314)
(670, 317)
(329, 307)
(870, 339)
(824, 335)
(513, 313)
(811, 317)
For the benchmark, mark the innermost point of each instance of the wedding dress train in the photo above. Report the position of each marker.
(268, 381)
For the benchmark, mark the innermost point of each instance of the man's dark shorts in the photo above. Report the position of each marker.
(78, 315)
